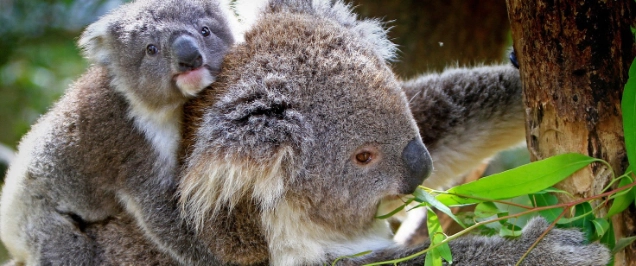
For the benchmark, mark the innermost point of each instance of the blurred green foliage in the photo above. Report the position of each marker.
(39, 58)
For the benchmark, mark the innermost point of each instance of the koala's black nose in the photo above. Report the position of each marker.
(186, 53)
(419, 164)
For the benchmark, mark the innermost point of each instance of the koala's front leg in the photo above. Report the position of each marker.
(154, 206)
(558, 248)
(466, 115)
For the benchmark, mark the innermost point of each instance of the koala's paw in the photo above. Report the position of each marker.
(561, 246)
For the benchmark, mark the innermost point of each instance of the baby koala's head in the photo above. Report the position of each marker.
(160, 52)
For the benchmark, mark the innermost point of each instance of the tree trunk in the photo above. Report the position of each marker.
(434, 34)
(574, 59)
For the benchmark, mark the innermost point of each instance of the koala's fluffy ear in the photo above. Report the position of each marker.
(93, 41)
(370, 30)
(246, 145)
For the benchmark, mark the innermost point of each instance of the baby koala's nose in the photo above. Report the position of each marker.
(187, 54)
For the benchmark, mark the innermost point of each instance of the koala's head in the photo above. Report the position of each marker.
(161, 52)
(308, 121)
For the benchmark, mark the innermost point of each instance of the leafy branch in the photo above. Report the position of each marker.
(566, 207)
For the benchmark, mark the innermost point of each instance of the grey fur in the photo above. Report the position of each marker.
(270, 172)
(110, 143)
(465, 116)
(300, 99)
(333, 95)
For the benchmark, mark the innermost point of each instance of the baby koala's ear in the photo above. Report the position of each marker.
(94, 41)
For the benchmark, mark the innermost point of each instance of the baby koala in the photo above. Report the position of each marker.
(112, 139)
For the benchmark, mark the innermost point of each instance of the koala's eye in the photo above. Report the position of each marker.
(364, 157)
(151, 49)
(205, 31)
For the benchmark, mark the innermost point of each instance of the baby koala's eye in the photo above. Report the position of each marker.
(205, 31)
(151, 49)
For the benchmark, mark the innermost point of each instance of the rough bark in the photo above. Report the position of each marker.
(574, 58)
(434, 34)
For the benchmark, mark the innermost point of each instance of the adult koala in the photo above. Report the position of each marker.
(287, 156)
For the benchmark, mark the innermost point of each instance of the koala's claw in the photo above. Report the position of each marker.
(513, 59)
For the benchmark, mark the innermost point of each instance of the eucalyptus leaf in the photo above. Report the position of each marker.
(433, 259)
(543, 200)
(601, 226)
(624, 181)
(628, 106)
(510, 230)
(423, 196)
(436, 235)
(608, 238)
(623, 200)
(609, 241)
(486, 209)
(503, 214)
(523, 180)
(583, 214)
(583, 217)
(622, 243)
(585, 211)
(552, 190)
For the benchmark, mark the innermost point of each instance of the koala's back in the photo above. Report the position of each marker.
(69, 166)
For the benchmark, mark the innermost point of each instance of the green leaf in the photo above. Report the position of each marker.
(609, 241)
(601, 226)
(423, 196)
(552, 190)
(486, 209)
(503, 214)
(608, 238)
(510, 230)
(583, 216)
(622, 243)
(628, 106)
(433, 258)
(525, 179)
(445, 252)
(622, 200)
(436, 235)
(585, 211)
(542, 200)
